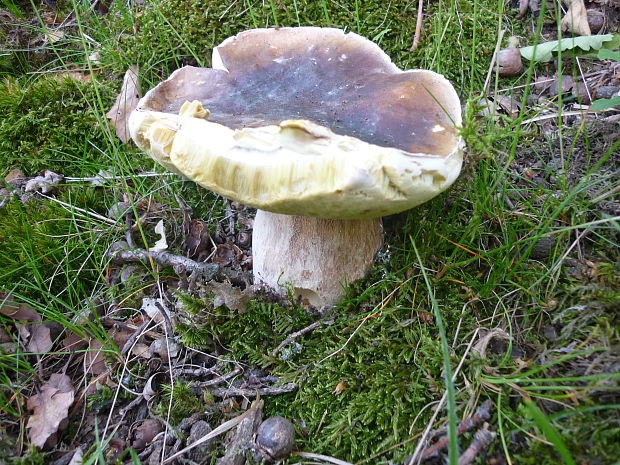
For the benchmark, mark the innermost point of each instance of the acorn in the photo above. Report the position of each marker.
(275, 438)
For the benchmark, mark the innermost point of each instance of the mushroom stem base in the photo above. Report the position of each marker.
(315, 257)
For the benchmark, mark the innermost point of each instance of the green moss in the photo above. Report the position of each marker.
(173, 33)
(184, 402)
(50, 124)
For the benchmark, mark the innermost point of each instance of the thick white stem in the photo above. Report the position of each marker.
(317, 257)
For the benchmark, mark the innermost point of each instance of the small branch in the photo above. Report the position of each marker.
(291, 337)
(481, 441)
(219, 379)
(418, 26)
(244, 436)
(266, 391)
(121, 253)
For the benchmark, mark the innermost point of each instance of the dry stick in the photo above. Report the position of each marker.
(291, 337)
(244, 436)
(418, 26)
(500, 36)
(120, 254)
(481, 441)
(219, 379)
(482, 414)
(266, 391)
(216, 432)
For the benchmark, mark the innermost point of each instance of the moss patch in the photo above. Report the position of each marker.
(50, 123)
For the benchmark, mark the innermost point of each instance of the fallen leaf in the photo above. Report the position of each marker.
(340, 387)
(576, 18)
(165, 348)
(126, 102)
(94, 363)
(54, 36)
(50, 407)
(40, 339)
(145, 433)
(197, 239)
(16, 311)
(226, 253)
(16, 178)
(233, 297)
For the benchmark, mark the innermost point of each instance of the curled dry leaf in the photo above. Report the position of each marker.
(126, 102)
(576, 18)
(50, 407)
(197, 240)
(486, 337)
(166, 348)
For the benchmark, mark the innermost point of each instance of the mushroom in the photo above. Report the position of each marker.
(320, 132)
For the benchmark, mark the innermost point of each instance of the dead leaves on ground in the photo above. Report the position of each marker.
(50, 408)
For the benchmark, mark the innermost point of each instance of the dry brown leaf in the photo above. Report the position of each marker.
(576, 18)
(145, 433)
(18, 312)
(94, 362)
(126, 102)
(50, 407)
(233, 297)
(40, 339)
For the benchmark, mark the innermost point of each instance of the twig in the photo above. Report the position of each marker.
(500, 36)
(564, 114)
(481, 441)
(167, 322)
(482, 414)
(418, 27)
(120, 253)
(291, 337)
(219, 380)
(266, 391)
(242, 441)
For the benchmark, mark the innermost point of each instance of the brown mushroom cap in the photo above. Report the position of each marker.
(309, 92)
